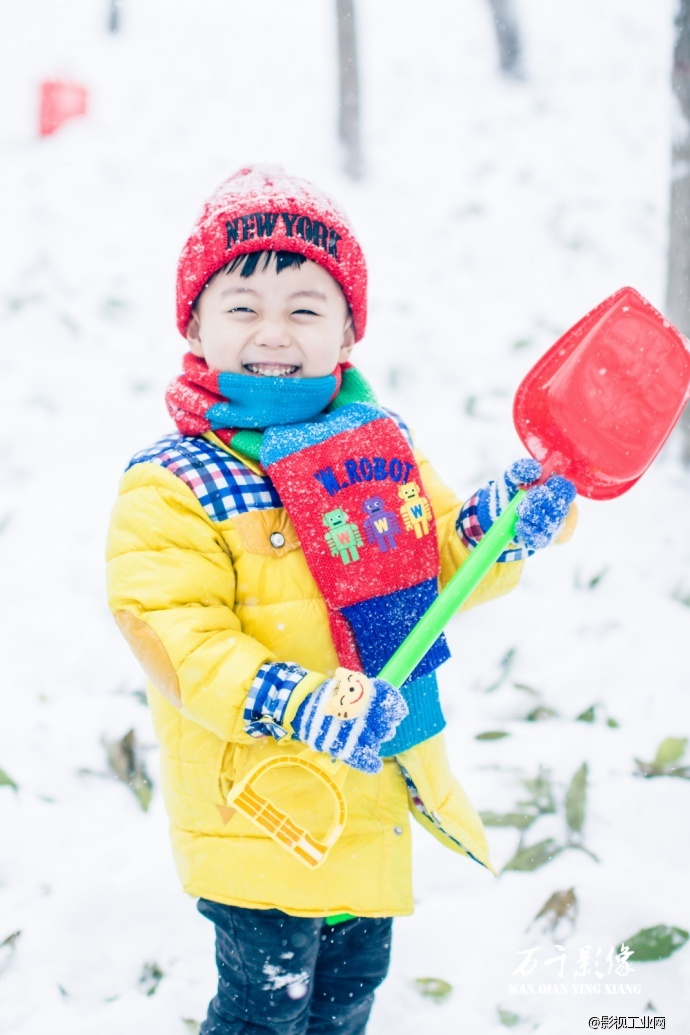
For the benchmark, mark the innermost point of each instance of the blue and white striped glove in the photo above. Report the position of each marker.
(541, 514)
(355, 741)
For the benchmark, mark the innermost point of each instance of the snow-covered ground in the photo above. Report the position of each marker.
(494, 214)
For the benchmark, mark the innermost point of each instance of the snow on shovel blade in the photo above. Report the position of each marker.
(599, 405)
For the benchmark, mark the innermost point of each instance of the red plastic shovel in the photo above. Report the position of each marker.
(597, 408)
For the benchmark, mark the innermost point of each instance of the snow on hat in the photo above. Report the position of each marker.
(262, 208)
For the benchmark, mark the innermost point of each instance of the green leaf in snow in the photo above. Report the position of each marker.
(7, 781)
(670, 750)
(540, 713)
(656, 943)
(519, 820)
(559, 906)
(508, 1018)
(505, 665)
(531, 858)
(150, 978)
(575, 800)
(527, 689)
(124, 759)
(433, 988)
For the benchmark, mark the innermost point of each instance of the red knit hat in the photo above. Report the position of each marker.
(261, 208)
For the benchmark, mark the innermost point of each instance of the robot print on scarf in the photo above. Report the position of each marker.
(415, 509)
(381, 524)
(343, 536)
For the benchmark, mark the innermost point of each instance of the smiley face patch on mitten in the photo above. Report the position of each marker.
(350, 694)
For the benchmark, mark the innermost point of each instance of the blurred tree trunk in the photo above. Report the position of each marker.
(349, 127)
(114, 11)
(678, 275)
(508, 38)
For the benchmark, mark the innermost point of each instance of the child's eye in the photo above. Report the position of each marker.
(241, 309)
(306, 312)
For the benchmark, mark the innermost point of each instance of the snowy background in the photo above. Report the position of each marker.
(494, 214)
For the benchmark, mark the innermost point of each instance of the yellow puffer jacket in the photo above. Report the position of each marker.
(208, 582)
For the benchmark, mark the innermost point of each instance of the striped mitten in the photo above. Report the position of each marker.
(541, 514)
(355, 741)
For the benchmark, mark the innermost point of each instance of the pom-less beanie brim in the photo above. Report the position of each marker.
(262, 208)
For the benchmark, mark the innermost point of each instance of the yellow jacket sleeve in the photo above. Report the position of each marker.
(171, 587)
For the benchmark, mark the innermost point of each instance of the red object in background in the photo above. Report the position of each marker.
(60, 100)
(599, 405)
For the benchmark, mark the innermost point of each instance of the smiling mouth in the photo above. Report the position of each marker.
(271, 369)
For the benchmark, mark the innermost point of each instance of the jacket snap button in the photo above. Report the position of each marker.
(277, 539)
(397, 830)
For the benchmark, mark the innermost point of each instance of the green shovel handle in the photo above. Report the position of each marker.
(453, 596)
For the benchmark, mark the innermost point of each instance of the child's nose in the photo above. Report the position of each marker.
(273, 334)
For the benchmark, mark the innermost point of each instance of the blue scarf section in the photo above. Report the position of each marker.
(258, 402)
(425, 718)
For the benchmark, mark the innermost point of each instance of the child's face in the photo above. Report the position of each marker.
(289, 324)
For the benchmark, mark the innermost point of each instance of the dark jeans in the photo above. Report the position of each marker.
(291, 975)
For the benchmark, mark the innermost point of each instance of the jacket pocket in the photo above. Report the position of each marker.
(238, 759)
(233, 765)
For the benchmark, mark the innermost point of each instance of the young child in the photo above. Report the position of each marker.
(264, 562)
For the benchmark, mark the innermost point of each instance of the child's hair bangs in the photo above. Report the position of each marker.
(248, 263)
